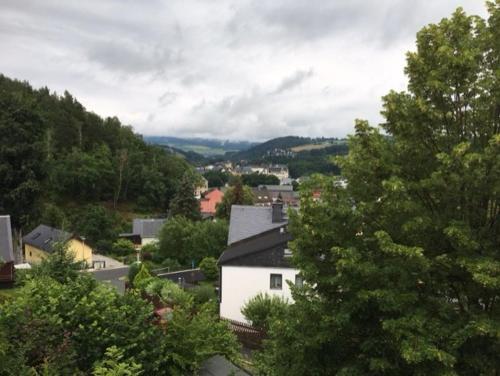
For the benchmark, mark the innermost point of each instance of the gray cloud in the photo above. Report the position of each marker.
(294, 80)
(132, 58)
(167, 98)
(238, 69)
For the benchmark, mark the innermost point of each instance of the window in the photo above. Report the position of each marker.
(299, 282)
(287, 252)
(276, 281)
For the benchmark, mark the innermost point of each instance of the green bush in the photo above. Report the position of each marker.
(123, 247)
(172, 294)
(132, 271)
(263, 308)
(204, 294)
(143, 278)
(209, 268)
(155, 287)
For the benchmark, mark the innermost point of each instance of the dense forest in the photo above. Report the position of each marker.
(58, 160)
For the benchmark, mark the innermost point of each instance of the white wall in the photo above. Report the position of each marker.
(145, 241)
(240, 283)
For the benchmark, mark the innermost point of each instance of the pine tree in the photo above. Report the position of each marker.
(184, 202)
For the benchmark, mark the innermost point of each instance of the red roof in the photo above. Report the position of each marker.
(209, 201)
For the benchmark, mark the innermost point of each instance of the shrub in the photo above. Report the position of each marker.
(263, 308)
(143, 278)
(204, 294)
(173, 295)
(154, 287)
(123, 247)
(132, 271)
(209, 268)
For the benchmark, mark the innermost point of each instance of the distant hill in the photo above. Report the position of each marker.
(203, 146)
(190, 156)
(303, 155)
(267, 148)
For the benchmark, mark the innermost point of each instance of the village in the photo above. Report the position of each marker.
(255, 261)
(285, 188)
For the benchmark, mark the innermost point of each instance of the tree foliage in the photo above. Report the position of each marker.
(21, 155)
(184, 202)
(190, 241)
(123, 247)
(52, 144)
(238, 194)
(402, 266)
(216, 179)
(209, 268)
(256, 179)
(78, 326)
(114, 365)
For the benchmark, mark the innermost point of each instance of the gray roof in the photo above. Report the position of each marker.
(6, 251)
(247, 221)
(149, 227)
(255, 244)
(217, 365)
(43, 237)
(278, 188)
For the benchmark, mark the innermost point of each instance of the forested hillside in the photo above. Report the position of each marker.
(56, 157)
(294, 152)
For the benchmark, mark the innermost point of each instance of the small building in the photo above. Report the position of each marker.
(135, 239)
(265, 195)
(210, 200)
(41, 242)
(6, 251)
(148, 229)
(201, 187)
(258, 264)
(278, 170)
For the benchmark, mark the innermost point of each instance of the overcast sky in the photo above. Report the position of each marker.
(247, 70)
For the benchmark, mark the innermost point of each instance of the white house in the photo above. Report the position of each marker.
(280, 171)
(257, 263)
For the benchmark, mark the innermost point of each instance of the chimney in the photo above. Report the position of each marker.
(277, 210)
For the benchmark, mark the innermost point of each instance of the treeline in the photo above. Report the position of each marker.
(55, 152)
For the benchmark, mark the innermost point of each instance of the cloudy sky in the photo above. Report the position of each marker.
(242, 69)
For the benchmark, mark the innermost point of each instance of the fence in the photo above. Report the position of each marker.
(249, 336)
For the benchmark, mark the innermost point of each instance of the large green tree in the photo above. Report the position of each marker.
(402, 267)
(184, 203)
(237, 194)
(21, 156)
(190, 241)
(55, 154)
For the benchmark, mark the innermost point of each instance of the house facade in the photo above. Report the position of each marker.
(40, 242)
(259, 264)
(280, 171)
(257, 259)
(6, 251)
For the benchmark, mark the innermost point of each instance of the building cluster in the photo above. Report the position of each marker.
(278, 170)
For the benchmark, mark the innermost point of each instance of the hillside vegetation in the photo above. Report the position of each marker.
(203, 146)
(303, 155)
(57, 158)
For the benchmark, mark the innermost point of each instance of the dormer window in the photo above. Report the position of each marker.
(287, 252)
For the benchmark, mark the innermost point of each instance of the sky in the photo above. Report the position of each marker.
(240, 70)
